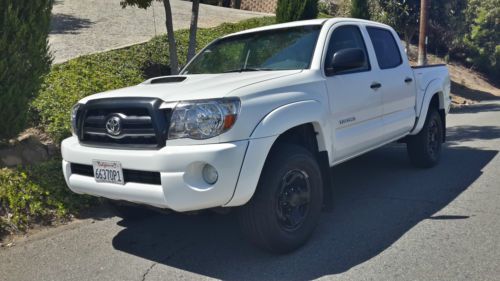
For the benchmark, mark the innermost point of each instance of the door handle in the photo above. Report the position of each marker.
(375, 85)
(408, 80)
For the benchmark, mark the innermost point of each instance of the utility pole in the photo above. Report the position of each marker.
(422, 37)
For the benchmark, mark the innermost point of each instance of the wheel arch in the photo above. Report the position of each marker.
(304, 123)
(293, 115)
(434, 96)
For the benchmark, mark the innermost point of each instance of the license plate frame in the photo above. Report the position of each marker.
(108, 171)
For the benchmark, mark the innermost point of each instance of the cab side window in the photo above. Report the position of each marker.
(347, 37)
(386, 48)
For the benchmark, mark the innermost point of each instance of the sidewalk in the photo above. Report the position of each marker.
(82, 27)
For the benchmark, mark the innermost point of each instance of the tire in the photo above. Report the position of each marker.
(129, 211)
(424, 148)
(286, 206)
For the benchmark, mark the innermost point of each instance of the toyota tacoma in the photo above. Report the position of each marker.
(255, 121)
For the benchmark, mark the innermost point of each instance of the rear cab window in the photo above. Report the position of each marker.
(386, 48)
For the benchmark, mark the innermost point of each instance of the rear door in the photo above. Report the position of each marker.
(355, 104)
(398, 85)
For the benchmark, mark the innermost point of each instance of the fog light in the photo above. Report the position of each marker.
(210, 174)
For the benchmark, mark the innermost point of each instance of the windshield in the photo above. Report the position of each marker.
(278, 49)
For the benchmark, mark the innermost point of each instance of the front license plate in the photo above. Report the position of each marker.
(108, 171)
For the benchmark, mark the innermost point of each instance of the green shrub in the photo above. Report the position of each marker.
(293, 10)
(24, 59)
(328, 8)
(483, 39)
(70, 81)
(36, 195)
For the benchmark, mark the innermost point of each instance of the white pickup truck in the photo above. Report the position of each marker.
(255, 121)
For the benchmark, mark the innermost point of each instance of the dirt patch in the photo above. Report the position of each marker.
(467, 86)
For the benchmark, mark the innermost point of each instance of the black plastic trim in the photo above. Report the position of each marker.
(428, 65)
(160, 119)
(128, 175)
(168, 79)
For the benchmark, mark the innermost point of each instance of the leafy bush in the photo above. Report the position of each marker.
(292, 10)
(24, 59)
(70, 81)
(328, 7)
(36, 195)
(483, 40)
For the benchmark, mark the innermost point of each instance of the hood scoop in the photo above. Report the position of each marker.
(167, 79)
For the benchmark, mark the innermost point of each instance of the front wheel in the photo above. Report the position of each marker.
(286, 206)
(424, 148)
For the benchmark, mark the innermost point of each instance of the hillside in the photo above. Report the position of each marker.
(468, 86)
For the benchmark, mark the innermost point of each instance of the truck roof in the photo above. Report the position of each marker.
(305, 23)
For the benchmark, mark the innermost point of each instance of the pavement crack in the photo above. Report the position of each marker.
(164, 260)
(148, 270)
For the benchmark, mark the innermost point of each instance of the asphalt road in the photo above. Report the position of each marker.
(391, 222)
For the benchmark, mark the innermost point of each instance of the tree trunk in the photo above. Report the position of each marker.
(193, 29)
(422, 37)
(172, 47)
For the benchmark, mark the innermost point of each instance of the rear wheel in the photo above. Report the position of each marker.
(424, 148)
(287, 203)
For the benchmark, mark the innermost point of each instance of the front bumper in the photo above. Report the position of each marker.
(182, 186)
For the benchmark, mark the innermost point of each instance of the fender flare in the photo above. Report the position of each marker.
(435, 87)
(294, 114)
(265, 134)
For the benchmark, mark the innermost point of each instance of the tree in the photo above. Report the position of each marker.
(24, 60)
(293, 10)
(193, 30)
(172, 46)
(483, 38)
(403, 15)
(447, 26)
(360, 9)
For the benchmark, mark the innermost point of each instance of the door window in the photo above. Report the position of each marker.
(386, 48)
(347, 37)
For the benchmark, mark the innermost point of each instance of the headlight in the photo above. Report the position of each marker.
(203, 119)
(74, 115)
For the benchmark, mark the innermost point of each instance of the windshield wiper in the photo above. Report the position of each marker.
(248, 69)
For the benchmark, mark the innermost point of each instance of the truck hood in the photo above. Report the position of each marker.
(194, 86)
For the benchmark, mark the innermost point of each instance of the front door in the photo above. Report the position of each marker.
(355, 97)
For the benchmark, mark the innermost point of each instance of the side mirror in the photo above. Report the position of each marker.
(346, 59)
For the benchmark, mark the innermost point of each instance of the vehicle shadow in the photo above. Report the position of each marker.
(379, 197)
(458, 134)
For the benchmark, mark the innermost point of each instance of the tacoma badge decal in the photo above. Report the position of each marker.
(347, 120)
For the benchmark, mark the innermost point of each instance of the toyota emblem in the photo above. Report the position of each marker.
(113, 125)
